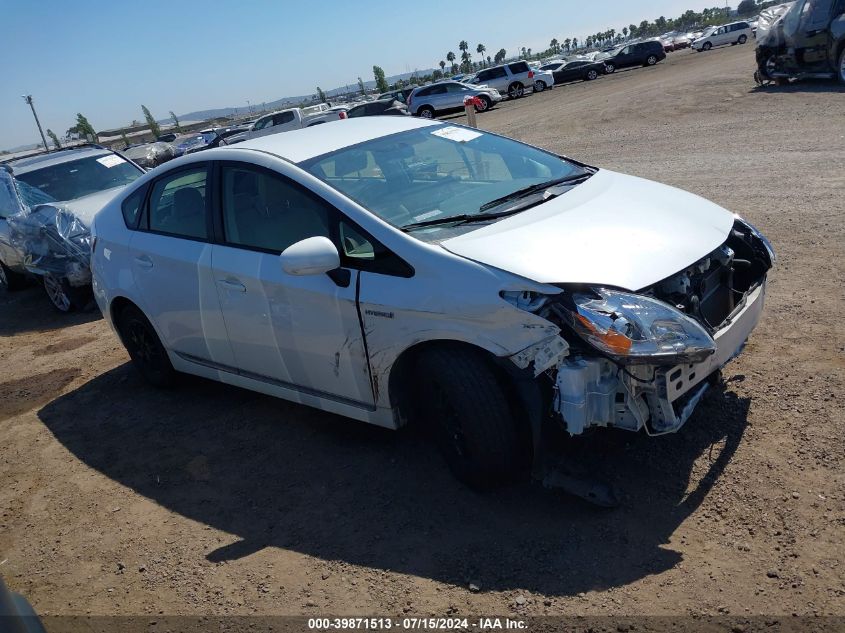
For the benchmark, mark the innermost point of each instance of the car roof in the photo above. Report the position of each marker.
(33, 163)
(301, 145)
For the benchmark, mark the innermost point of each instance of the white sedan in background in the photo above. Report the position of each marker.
(392, 269)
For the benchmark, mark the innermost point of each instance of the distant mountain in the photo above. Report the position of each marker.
(287, 102)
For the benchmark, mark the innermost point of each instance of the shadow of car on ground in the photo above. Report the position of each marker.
(277, 474)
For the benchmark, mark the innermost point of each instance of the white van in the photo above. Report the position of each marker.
(733, 33)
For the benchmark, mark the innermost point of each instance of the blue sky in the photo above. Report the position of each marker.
(105, 58)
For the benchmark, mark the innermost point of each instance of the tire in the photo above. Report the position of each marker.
(10, 280)
(610, 68)
(651, 60)
(145, 349)
(486, 104)
(706, 46)
(840, 75)
(516, 90)
(64, 297)
(539, 86)
(467, 408)
(742, 39)
(426, 112)
(591, 74)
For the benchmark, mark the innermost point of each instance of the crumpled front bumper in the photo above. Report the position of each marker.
(593, 391)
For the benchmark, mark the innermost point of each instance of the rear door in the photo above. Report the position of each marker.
(171, 266)
(298, 332)
(437, 97)
(812, 39)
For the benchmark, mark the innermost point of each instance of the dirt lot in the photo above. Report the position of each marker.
(120, 499)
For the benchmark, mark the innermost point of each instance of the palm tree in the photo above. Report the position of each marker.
(450, 57)
(500, 56)
(524, 51)
(625, 32)
(575, 43)
(442, 65)
(463, 46)
(489, 60)
(567, 44)
(554, 45)
(480, 49)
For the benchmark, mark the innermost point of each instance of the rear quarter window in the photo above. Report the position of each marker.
(519, 67)
(132, 206)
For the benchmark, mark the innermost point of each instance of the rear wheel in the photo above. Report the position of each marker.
(426, 112)
(144, 347)
(10, 280)
(64, 297)
(743, 39)
(465, 404)
(516, 90)
(539, 86)
(591, 74)
(651, 60)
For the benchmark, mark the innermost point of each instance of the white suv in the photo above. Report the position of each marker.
(734, 33)
(514, 79)
(391, 269)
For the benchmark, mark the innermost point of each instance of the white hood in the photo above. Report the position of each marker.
(613, 229)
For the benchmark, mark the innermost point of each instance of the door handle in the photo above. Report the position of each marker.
(229, 284)
(144, 262)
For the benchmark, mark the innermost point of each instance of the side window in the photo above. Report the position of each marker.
(484, 75)
(498, 73)
(360, 250)
(131, 208)
(263, 123)
(177, 204)
(437, 90)
(819, 13)
(266, 211)
(518, 67)
(625, 50)
(423, 93)
(282, 118)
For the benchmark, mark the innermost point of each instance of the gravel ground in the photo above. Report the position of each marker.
(120, 499)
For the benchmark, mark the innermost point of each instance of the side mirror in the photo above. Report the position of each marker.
(311, 256)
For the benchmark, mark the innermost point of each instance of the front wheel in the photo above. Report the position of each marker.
(609, 68)
(539, 86)
(651, 60)
(484, 103)
(842, 67)
(516, 90)
(464, 403)
(743, 39)
(64, 297)
(591, 74)
(144, 347)
(706, 46)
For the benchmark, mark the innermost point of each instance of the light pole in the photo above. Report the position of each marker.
(28, 99)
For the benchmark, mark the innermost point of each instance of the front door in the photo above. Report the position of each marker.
(299, 332)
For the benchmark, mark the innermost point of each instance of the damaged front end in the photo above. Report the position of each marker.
(642, 360)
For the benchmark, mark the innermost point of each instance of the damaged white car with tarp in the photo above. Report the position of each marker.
(47, 204)
(394, 270)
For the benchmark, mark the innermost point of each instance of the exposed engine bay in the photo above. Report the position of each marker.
(643, 360)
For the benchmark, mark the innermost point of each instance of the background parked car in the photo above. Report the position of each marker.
(427, 101)
(511, 79)
(636, 54)
(48, 203)
(189, 143)
(379, 108)
(733, 33)
(574, 70)
(149, 155)
(400, 95)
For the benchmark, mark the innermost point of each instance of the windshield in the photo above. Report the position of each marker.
(434, 173)
(76, 178)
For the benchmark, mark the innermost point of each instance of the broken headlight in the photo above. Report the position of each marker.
(634, 328)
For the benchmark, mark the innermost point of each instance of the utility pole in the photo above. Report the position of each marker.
(28, 99)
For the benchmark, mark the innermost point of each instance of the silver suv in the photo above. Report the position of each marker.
(513, 78)
(426, 101)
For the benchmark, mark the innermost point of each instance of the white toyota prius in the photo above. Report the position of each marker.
(390, 269)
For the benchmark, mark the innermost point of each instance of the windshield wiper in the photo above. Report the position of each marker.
(463, 218)
(527, 191)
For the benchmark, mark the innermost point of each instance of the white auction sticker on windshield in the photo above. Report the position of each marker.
(457, 134)
(110, 160)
